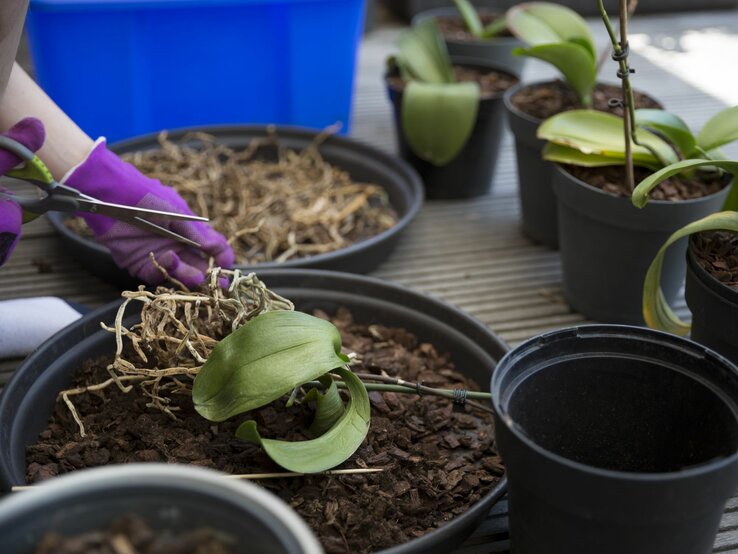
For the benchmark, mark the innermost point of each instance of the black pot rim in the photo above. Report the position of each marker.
(560, 168)
(476, 511)
(468, 61)
(413, 179)
(450, 10)
(642, 333)
(196, 480)
(513, 90)
(714, 285)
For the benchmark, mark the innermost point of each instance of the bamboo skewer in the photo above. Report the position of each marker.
(259, 476)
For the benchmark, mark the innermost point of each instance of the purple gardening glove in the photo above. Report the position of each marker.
(103, 175)
(30, 133)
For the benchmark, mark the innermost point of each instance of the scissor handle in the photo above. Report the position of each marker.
(33, 169)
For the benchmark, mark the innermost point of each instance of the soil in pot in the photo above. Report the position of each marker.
(452, 27)
(470, 173)
(543, 100)
(131, 534)
(612, 179)
(437, 461)
(295, 206)
(717, 253)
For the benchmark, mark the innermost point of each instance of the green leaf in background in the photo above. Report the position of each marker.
(328, 406)
(537, 23)
(471, 17)
(437, 119)
(558, 153)
(423, 53)
(268, 357)
(601, 134)
(572, 60)
(640, 193)
(721, 129)
(656, 311)
(495, 28)
(671, 126)
(330, 449)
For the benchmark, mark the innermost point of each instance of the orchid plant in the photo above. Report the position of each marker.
(438, 113)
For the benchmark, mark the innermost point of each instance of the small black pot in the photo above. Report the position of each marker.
(407, 9)
(363, 163)
(470, 173)
(616, 440)
(497, 51)
(537, 199)
(29, 397)
(607, 245)
(714, 308)
(171, 498)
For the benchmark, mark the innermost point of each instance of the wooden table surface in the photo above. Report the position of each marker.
(470, 253)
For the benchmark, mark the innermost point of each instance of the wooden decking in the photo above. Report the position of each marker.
(472, 253)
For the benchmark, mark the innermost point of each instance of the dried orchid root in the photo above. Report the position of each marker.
(178, 330)
(293, 206)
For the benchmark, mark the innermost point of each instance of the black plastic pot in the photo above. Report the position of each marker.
(497, 51)
(470, 173)
(170, 498)
(607, 245)
(363, 163)
(537, 199)
(408, 8)
(714, 308)
(616, 440)
(29, 397)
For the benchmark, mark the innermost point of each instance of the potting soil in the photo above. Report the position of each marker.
(131, 534)
(543, 100)
(717, 253)
(612, 179)
(437, 461)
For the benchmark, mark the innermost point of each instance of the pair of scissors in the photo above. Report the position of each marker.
(62, 198)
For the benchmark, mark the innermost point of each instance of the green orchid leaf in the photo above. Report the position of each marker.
(558, 153)
(330, 449)
(598, 133)
(471, 17)
(721, 129)
(437, 119)
(572, 60)
(539, 23)
(423, 53)
(671, 126)
(263, 360)
(656, 311)
(640, 193)
(495, 28)
(328, 406)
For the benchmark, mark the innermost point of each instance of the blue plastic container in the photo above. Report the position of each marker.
(125, 67)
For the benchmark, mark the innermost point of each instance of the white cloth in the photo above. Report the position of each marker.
(25, 323)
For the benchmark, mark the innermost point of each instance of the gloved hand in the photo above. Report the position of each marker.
(103, 175)
(30, 133)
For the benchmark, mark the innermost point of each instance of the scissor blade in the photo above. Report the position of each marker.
(120, 211)
(161, 231)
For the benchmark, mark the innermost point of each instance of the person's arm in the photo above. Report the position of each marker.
(66, 144)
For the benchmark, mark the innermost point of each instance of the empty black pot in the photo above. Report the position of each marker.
(363, 163)
(616, 440)
(470, 173)
(714, 308)
(607, 245)
(170, 498)
(497, 50)
(30, 395)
